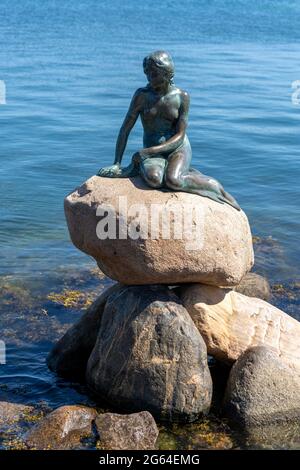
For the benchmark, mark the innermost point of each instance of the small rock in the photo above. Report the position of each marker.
(64, 428)
(261, 390)
(137, 431)
(254, 285)
(13, 412)
(70, 354)
(150, 356)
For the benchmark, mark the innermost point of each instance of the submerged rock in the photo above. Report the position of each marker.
(281, 436)
(70, 354)
(137, 431)
(64, 428)
(254, 285)
(261, 390)
(287, 297)
(16, 297)
(203, 434)
(220, 252)
(231, 322)
(150, 356)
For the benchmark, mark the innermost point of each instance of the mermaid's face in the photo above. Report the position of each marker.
(155, 75)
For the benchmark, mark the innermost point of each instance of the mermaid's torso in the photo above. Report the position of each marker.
(159, 117)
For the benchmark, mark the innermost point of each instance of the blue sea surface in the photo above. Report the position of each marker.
(70, 69)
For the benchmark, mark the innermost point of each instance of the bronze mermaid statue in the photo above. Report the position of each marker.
(164, 162)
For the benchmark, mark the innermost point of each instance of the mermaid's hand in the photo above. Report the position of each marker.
(136, 159)
(113, 171)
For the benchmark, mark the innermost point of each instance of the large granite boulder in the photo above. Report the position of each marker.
(208, 242)
(261, 390)
(230, 323)
(150, 356)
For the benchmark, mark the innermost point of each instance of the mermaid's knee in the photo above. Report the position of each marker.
(153, 179)
(174, 182)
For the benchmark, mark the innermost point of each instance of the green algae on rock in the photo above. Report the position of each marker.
(73, 299)
(206, 433)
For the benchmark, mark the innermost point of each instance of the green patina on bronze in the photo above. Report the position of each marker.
(165, 160)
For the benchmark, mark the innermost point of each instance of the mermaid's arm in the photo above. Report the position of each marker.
(114, 171)
(129, 121)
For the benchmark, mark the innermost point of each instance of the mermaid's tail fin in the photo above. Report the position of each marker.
(220, 199)
(222, 196)
(230, 200)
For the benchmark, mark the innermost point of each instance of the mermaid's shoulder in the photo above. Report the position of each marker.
(141, 91)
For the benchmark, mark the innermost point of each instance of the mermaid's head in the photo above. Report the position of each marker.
(159, 66)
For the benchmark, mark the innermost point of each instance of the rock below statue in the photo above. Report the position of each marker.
(230, 323)
(261, 390)
(150, 356)
(254, 285)
(221, 241)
